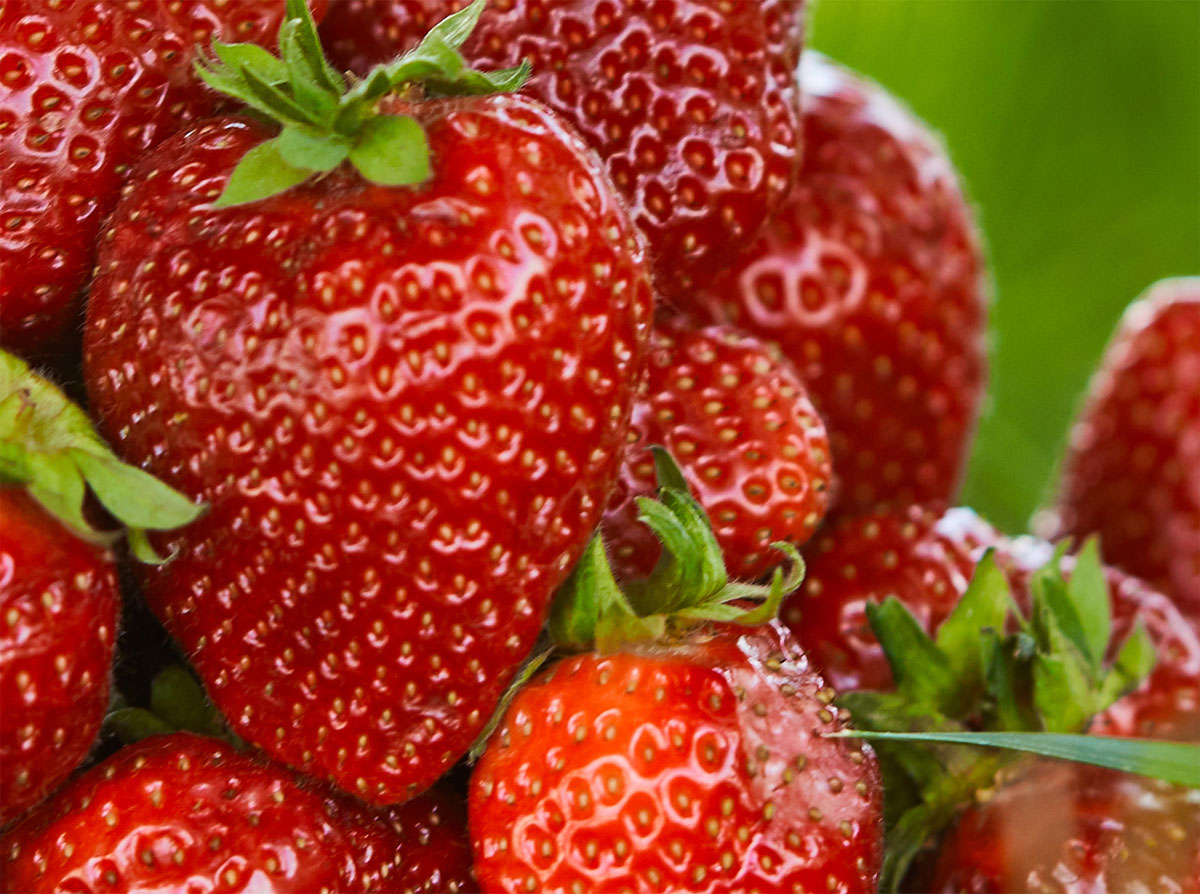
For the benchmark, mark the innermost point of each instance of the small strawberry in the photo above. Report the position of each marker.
(185, 812)
(674, 755)
(750, 444)
(691, 105)
(1070, 829)
(58, 584)
(923, 555)
(89, 86)
(1132, 471)
(871, 281)
(402, 386)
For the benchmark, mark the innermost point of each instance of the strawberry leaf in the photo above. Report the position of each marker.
(262, 172)
(302, 148)
(922, 673)
(391, 151)
(1087, 591)
(983, 607)
(1133, 663)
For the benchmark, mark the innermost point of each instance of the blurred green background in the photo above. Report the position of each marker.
(1076, 128)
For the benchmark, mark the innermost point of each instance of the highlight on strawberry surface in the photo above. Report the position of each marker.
(519, 450)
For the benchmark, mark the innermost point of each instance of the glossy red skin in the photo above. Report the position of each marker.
(181, 812)
(1072, 829)
(89, 87)
(1132, 471)
(690, 103)
(404, 407)
(696, 766)
(923, 555)
(435, 850)
(871, 281)
(58, 622)
(746, 436)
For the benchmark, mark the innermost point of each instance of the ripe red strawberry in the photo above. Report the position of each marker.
(871, 281)
(88, 87)
(696, 766)
(1070, 829)
(58, 583)
(1132, 472)
(684, 750)
(691, 105)
(404, 404)
(185, 812)
(750, 444)
(435, 850)
(58, 601)
(923, 555)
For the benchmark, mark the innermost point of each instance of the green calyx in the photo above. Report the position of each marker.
(177, 703)
(49, 447)
(327, 120)
(689, 584)
(987, 686)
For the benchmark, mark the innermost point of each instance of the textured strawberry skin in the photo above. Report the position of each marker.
(1132, 471)
(690, 103)
(404, 406)
(1073, 829)
(923, 555)
(870, 280)
(435, 848)
(697, 767)
(89, 87)
(184, 812)
(58, 623)
(750, 444)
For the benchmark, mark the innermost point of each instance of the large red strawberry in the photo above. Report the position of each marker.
(89, 86)
(923, 555)
(1132, 472)
(186, 812)
(674, 755)
(403, 388)
(690, 103)
(58, 582)
(750, 444)
(1070, 829)
(871, 280)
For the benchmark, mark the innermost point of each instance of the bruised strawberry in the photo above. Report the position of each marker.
(402, 387)
(691, 105)
(696, 765)
(751, 447)
(1070, 829)
(59, 600)
(89, 86)
(685, 749)
(871, 281)
(923, 555)
(185, 812)
(1132, 472)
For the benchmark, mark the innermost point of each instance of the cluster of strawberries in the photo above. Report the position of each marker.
(472, 392)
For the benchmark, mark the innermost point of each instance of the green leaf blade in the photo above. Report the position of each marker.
(1087, 590)
(392, 151)
(262, 173)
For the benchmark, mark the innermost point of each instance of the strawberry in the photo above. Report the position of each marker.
(1132, 470)
(88, 87)
(691, 105)
(186, 812)
(58, 583)
(675, 753)
(751, 446)
(402, 387)
(871, 280)
(1069, 829)
(923, 555)
(435, 852)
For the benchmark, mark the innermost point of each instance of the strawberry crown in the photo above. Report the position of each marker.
(49, 447)
(689, 584)
(325, 119)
